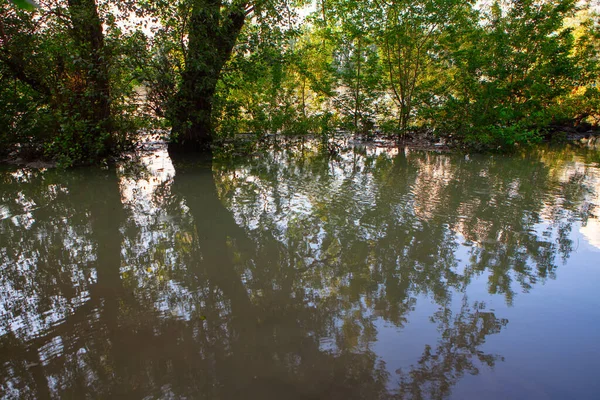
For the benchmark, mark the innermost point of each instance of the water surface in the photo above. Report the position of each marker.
(304, 272)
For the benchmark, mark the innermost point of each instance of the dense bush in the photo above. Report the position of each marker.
(67, 91)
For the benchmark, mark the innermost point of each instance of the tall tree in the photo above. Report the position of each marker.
(66, 78)
(356, 60)
(410, 46)
(515, 71)
(205, 33)
(212, 28)
(86, 28)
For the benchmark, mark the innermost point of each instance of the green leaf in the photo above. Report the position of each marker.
(28, 5)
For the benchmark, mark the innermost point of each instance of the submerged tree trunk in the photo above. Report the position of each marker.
(212, 34)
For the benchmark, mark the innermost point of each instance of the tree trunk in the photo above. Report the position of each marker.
(212, 35)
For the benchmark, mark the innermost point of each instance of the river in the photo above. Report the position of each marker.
(302, 272)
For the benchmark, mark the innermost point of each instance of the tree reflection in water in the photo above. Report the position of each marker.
(265, 278)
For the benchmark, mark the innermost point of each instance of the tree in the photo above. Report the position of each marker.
(488, 74)
(351, 28)
(86, 29)
(212, 29)
(513, 72)
(68, 86)
(26, 4)
(207, 32)
(410, 44)
(265, 85)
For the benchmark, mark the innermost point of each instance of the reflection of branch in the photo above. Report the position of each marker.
(437, 371)
(64, 329)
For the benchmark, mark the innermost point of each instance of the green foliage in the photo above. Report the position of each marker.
(491, 77)
(69, 87)
(501, 137)
(513, 71)
(77, 84)
(28, 5)
(412, 50)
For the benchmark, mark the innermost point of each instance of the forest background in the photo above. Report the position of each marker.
(80, 79)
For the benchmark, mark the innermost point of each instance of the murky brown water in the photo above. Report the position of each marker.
(297, 274)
